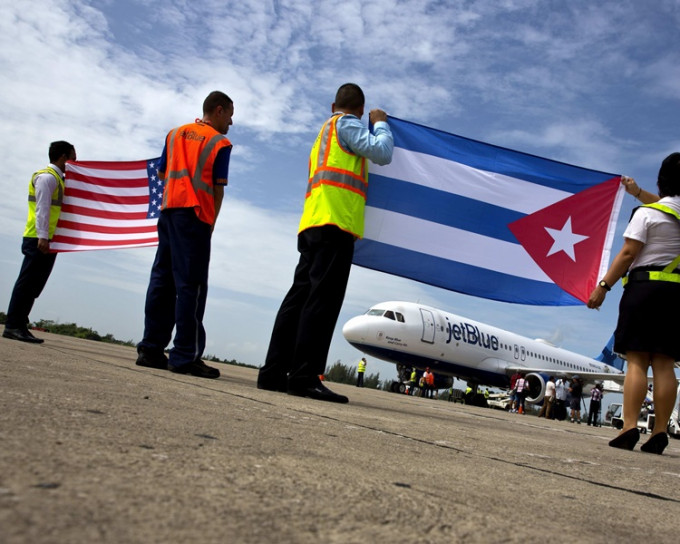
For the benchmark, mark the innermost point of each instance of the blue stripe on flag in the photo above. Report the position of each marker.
(480, 282)
(437, 206)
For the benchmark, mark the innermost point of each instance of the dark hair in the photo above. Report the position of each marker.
(669, 176)
(59, 149)
(215, 99)
(349, 96)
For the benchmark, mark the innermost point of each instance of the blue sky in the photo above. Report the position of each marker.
(592, 84)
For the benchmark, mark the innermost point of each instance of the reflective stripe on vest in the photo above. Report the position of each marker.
(55, 204)
(195, 144)
(336, 188)
(667, 273)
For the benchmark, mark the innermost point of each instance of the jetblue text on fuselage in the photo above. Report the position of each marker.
(470, 334)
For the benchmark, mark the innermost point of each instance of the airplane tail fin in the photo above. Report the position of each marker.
(609, 357)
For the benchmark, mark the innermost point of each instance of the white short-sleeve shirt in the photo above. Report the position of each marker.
(658, 231)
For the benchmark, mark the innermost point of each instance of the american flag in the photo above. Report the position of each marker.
(109, 205)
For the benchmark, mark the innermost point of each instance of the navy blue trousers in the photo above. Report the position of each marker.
(35, 271)
(178, 287)
(304, 325)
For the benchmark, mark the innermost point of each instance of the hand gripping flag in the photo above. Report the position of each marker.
(109, 205)
(487, 221)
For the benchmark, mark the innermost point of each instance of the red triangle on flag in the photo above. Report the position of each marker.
(566, 239)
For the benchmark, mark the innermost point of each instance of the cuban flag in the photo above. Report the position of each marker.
(488, 221)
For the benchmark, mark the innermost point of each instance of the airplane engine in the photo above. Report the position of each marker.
(536, 387)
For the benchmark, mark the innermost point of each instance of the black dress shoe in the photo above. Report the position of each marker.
(318, 392)
(151, 359)
(280, 387)
(627, 440)
(656, 444)
(22, 335)
(196, 368)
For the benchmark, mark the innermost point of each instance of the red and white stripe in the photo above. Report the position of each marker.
(105, 207)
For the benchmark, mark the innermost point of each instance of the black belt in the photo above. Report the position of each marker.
(642, 273)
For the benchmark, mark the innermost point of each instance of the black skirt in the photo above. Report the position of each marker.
(649, 318)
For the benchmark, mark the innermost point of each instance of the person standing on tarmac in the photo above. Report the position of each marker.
(646, 330)
(513, 391)
(576, 391)
(430, 383)
(195, 165)
(561, 393)
(522, 386)
(548, 399)
(413, 381)
(361, 370)
(595, 405)
(332, 219)
(45, 195)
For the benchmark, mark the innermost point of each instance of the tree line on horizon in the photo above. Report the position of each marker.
(338, 372)
(87, 333)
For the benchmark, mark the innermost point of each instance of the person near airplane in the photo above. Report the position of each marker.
(561, 393)
(595, 405)
(361, 370)
(522, 387)
(513, 391)
(575, 394)
(413, 382)
(548, 399)
(425, 380)
(430, 383)
(646, 329)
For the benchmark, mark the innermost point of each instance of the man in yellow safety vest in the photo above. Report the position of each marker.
(45, 195)
(332, 219)
(361, 370)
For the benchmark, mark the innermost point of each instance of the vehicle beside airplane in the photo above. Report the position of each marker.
(413, 335)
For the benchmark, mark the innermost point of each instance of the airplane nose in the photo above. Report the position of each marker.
(353, 330)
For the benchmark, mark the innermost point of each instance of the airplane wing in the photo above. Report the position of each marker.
(587, 377)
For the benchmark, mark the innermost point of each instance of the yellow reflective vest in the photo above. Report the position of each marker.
(362, 366)
(336, 190)
(55, 206)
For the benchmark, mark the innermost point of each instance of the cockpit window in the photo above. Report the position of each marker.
(389, 314)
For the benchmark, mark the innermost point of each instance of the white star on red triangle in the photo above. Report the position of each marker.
(564, 240)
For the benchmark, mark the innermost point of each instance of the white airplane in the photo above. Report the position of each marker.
(414, 335)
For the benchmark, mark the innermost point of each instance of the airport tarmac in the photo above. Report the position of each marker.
(95, 449)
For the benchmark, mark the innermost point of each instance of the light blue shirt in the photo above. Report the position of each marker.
(355, 136)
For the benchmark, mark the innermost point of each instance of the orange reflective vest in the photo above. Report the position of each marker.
(55, 205)
(191, 151)
(338, 180)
